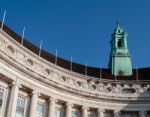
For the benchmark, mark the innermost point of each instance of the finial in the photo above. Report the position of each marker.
(118, 23)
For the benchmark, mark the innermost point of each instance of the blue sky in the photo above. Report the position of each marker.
(82, 28)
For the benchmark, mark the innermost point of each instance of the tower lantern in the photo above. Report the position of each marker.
(120, 58)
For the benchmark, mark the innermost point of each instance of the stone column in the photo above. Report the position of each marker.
(33, 104)
(68, 109)
(142, 113)
(116, 113)
(51, 112)
(84, 111)
(100, 112)
(13, 100)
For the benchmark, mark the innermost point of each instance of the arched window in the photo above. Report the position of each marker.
(119, 43)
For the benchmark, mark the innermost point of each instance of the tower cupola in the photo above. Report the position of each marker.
(120, 58)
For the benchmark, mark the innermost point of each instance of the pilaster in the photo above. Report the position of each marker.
(33, 104)
(84, 111)
(116, 113)
(52, 102)
(101, 112)
(142, 113)
(13, 99)
(68, 109)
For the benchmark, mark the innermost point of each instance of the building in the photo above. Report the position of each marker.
(49, 86)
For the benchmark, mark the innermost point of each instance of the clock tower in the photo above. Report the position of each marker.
(120, 58)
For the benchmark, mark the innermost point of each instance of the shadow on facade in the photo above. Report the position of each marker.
(137, 106)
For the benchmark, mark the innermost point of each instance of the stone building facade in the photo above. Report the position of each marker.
(32, 86)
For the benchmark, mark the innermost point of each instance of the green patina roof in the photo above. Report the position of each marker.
(120, 58)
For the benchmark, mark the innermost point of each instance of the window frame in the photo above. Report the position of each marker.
(25, 104)
(58, 109)
(44, 109)
(76, 114)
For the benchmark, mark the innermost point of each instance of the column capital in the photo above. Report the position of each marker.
(69, 104)
(52, 99)
(14, 83)
(101, 110)
(141, 112)
(85, 107)
(117, 111)
(35, 93)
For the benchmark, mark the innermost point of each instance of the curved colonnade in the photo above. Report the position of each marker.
(46, 90)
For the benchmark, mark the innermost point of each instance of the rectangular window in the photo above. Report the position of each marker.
(1, 93)
(74, 114)
(1, 96)
(91, 115)
(20, 107)
(57, 113)
(40, 110)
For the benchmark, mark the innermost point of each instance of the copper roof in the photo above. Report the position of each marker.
(143, 73)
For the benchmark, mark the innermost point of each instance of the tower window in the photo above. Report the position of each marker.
(119, 43)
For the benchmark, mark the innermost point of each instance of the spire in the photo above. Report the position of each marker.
(118, 23)
(120, 58)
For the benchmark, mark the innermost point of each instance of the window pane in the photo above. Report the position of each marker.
(20, 107)
(20, 102)
(19, 112)
(91, 115)
(1, 96)
(57, 113)
(74, 114)
(40, 110)
(1, 93)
